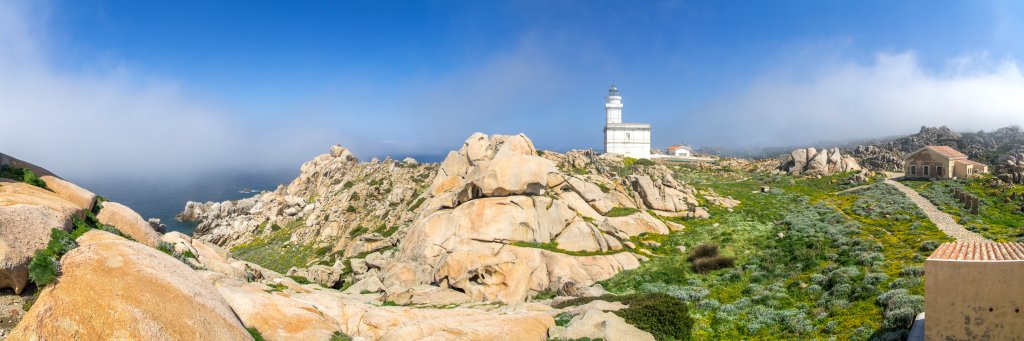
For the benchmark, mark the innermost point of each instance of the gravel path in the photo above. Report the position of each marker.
(944, 221)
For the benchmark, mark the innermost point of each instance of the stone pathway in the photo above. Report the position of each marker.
(944, 221)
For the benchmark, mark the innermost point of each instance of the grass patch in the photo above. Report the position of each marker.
(807, 263)
(417, 204)
(553, 247)
(621, 211)
(276, 251)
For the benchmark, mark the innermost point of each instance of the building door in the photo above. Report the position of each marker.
(939, 173)
(926, 171)
(913, 170)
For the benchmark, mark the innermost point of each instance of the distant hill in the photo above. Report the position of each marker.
(1003, 149)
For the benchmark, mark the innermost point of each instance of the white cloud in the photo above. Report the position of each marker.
(893, 94)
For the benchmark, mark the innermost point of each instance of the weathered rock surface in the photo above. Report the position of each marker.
(495, 220)
(112, 288)
(128, 222)
(27, 214)
(810, 161)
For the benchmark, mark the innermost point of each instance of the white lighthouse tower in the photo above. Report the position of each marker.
(628, 139)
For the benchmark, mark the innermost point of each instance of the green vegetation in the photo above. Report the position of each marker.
(553, 247)
(274, 287)
(276, 251)
(387, 231)
(256, 336)
(44, 267)
(705, 258)
(580, 171)
(300, 279)
(358, 231)
(807, 263)
(664, 316)
(417, 204)
(23, 175)
(339, 336)
(1000, 207)
(621, 211)
(603, 188)
(168, 248)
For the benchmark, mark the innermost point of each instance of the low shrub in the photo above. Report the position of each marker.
(912, 271)
(929, 246)
(23, 175)
(707, 264)
(703, 250)
(900, 308)
(662, 315)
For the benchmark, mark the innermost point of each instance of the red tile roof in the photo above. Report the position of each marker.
(947, 152)
(979, 251)
(975, 163)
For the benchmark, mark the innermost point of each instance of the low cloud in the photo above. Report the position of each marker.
(112, 120)
(891, 95)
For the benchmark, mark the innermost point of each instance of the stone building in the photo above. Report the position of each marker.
(940, 162)
(628, 139)
(974, 291)
(679, 151)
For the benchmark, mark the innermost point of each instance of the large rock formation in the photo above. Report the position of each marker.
(810, 161)
(128, 222)
(27, 214)
(111, 288)
(493, 222)
(496, 220)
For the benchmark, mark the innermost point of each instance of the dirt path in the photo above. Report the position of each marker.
(944, 221)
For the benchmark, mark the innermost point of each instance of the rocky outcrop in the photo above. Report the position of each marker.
(128, 222)
(810, 161)
(27, 214)
(111, 288)
(496, 220)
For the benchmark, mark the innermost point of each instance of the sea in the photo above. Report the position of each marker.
(165, 199)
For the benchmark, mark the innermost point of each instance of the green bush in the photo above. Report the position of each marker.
(621, 211)
(929, 246)
(60, 242)
(23, 175)
(664, 316)
(43, 268)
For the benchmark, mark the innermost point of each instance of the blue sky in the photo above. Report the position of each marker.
(209, 86)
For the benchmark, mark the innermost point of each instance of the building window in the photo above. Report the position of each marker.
(938, 171)
(913, 170)
(925, 170)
